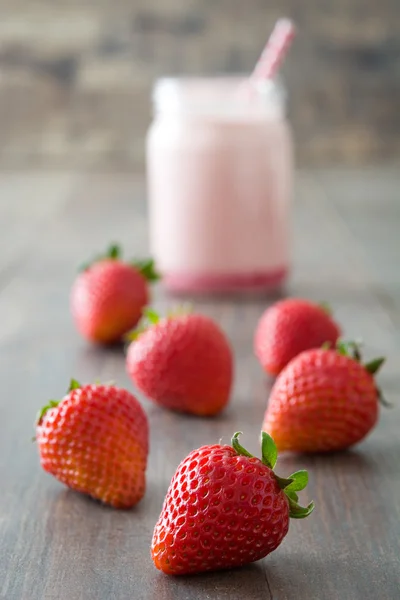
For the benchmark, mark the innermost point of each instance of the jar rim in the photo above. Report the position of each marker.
(219, 78)
(205, 94)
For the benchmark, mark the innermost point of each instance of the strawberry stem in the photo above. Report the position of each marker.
(290, 486)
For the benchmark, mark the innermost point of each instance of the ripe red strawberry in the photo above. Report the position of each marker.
(108, 297)
(324, 400)
(290, 327)
(95, 440)
(225, 508)
(183, 362)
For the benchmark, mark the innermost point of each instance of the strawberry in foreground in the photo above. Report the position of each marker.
(95, 440)
(183, 362)
(109, 295)
(289, 327)
(225, 508)
(324, 400)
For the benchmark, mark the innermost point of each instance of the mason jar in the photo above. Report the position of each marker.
(219, 177)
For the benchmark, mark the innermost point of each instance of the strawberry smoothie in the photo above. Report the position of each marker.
(219, 167)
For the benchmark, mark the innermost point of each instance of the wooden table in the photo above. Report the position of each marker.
(56, 544)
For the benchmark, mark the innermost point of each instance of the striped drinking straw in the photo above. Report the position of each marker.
(275, 51)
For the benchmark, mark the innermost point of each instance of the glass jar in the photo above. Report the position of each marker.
(219, 175)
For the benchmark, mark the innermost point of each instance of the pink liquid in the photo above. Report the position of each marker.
(219, 194)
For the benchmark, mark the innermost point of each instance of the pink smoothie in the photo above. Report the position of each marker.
(219, 184)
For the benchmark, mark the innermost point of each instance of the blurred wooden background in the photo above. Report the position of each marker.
(76, 75)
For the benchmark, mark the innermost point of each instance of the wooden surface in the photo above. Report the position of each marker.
(56, 544)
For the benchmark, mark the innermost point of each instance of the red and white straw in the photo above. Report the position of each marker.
(275, 50)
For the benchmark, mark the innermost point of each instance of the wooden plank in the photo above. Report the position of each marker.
(58, 544)
(28, 202)
(369, 207)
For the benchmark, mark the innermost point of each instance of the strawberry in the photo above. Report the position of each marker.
(324, 400)
(289, 327)
(95, 440)
(108, 296)
(182, 362)
(225, 508)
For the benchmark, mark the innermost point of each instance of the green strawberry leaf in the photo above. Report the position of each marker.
(147, 268)
(349, 348)
(341, 348)
(86, 265)
(326, 346)
(382, 400)
(236, 446)
(151, 315)
(300, 481)
(299, 512)
(374, 365)
(74, 385)
(114, 252)
(133, 335)
(282, 482)
(269, 450)
(51, 404)
(291, 485)
(291, 495)
(325, 307)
